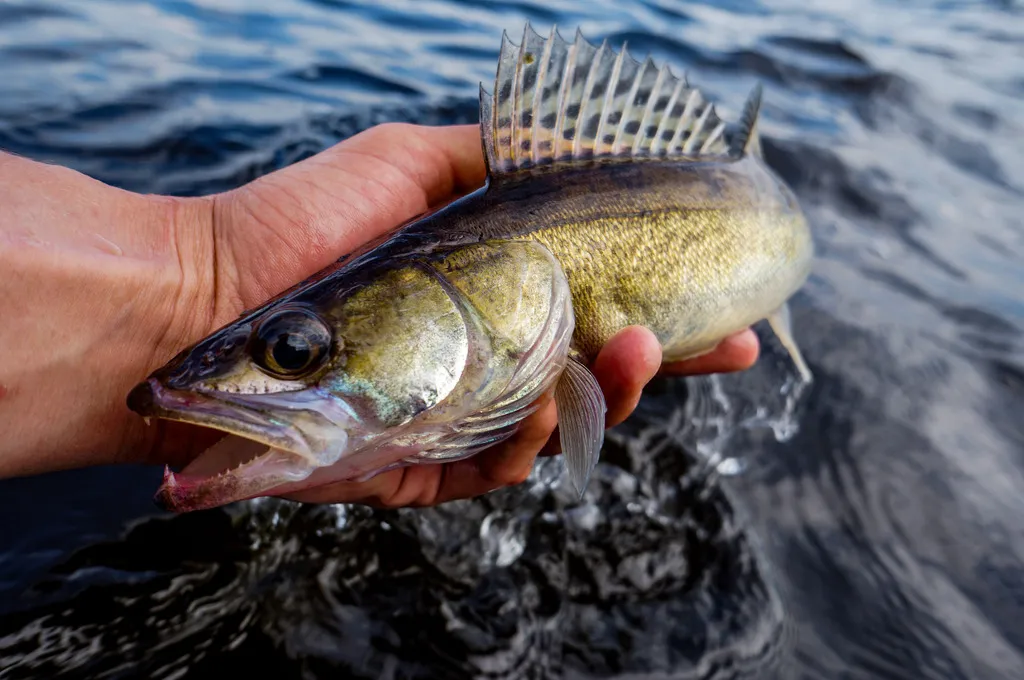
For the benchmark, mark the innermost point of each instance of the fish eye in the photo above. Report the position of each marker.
(290, 343)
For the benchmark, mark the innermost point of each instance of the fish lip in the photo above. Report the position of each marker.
(302, 430)
(173, 496)
(230, 413)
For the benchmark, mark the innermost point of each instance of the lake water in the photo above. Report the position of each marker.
(869, 527)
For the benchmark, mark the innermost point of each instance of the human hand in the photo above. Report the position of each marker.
(198, 263)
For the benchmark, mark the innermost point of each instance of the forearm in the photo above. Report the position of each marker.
(93, 294)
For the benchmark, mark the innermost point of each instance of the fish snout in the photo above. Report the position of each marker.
(142, 398)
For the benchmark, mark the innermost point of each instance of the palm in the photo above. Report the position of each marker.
(287, 225)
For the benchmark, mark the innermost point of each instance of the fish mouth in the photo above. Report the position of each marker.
(307, 430)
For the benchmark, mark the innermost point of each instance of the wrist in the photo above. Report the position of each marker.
(100, 287)
(184, 309)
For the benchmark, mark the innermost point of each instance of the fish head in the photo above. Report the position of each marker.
(304, 385)
(260, 381)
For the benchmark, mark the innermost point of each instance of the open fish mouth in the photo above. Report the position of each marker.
(271, 441)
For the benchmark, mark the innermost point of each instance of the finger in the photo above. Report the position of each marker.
(510, 462)
(506, 464)
(372, 182)
(434, 162)
(325, 206)
(738, 352)
(624, 366)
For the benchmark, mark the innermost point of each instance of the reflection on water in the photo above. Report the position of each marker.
(866, 527)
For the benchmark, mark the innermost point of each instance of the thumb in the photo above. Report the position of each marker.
(285, 226)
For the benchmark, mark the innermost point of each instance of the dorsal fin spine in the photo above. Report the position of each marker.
(684, 120)
(538, 94)
(748, 141)
(627, 108)
(701, 122)
(517, 96)
(588, 91)
(645, 121)
(502, 109)
(659, 141)
(487, 129)
(582, 51)
(556, 102)
(568, 73)
(609, 95)
(712, 138)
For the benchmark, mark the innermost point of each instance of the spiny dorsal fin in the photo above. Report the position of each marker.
(559, 102)
(747, 141)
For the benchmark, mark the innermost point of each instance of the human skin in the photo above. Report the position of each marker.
(100, 286)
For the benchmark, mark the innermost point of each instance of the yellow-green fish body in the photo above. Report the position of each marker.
(615, 196)
(693, 251)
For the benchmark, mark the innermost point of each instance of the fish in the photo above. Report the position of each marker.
(615, 195)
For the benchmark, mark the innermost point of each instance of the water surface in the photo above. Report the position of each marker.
(869, 527)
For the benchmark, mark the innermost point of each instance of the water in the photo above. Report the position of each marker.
(867, 528)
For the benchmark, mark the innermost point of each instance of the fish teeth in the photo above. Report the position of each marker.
(170, 480)
(238, 467)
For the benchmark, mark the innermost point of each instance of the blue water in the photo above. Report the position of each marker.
(870, 527)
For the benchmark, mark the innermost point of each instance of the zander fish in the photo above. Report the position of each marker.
(615, 196)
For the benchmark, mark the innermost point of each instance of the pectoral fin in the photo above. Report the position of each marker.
(581, 411)
(780, 323)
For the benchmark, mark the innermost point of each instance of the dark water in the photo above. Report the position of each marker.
(872, 527)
